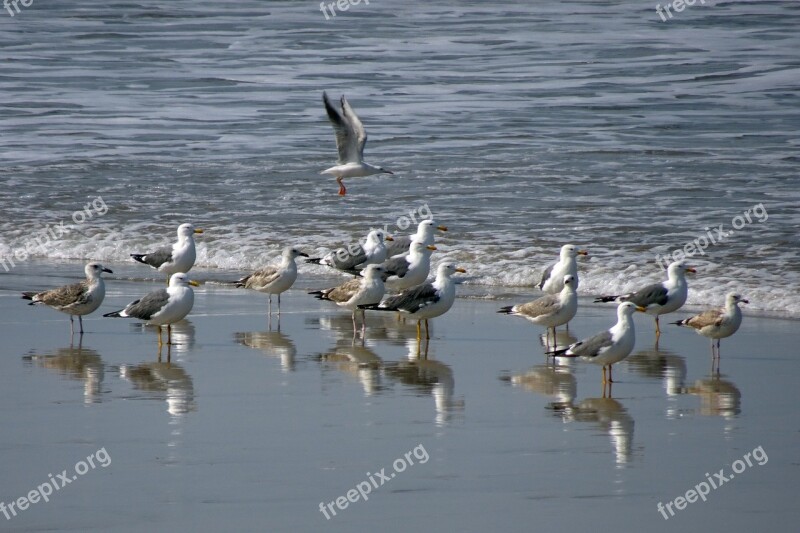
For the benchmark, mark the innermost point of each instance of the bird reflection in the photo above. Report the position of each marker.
(356, 359)
(718, 397)
(272, 343)
(167, 381)
(428, 376)
(660, 364)
(610, 416)
(183, 334)
(381, 327)
(75, 362)
(554, 381)
(562, 340)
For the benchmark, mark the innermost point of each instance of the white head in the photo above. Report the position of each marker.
(376, 237)
(569, 283)
(733, 299)
(677, 269)
(571, 251)
(373, 272)
(93, 270)
(420, 248)
(626, 309)
(447, 269)
(187, 230)
(426, 227)
(290, 253)
(179, 279)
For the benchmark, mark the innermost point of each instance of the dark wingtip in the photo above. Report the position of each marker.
(314, 260)
(115, 314)
(605, 299)
(506, 310)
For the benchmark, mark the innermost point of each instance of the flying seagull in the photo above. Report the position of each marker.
(79, 298)
(164, 306)
(176, 258)
(427, 300)
(275, 279)
(350, 140)
(659, 298)
(717, 324)
(610, 346)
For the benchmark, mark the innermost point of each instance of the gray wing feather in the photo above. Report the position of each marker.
(546, 275)
(351, 260)
(158, 258)
(652, 294)
(412, 300)
(66, 296)
(146, 307)
(344, 130)
(591, 347)
(398, 265)
(356, 125)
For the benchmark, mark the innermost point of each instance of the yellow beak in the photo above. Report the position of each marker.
(640, 308)
(431, 247)
(389, 238)
(459, 269)
(198, 230)
(692, 270)
(583, 252)
(441, 228)
(194, 283)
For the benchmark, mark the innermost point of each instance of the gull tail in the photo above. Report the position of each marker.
(314, 260)
(605, 299)
(140, 258)
(507, 310)
(684, 322)
(559, 353)
(376, 307)
(115, 314)
(321, 294)
(30, 296)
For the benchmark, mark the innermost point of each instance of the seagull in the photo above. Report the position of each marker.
(177, 258)
(79, 298)
(553, 277)
(164, 306)
(719, 323)
(408, 270)
(350, 140)
(359, 291)
(356, 257)
(427, 300)
(274, 279)
(659, 298)
(610, 346)
(551, 310)
(424, 235)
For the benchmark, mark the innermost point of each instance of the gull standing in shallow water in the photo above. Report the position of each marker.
(424, 234)
(610, 346)
(274, 279)
(350, 140)
(659, 298)
(551, 310)
(425, 301)
(359, 291)
(78, 299)
(719, 323)
(553, 277)
(411, 269)
(356, 257)
(164, 306)
(179, 257)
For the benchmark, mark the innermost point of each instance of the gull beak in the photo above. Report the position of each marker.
(389, 172)
(303, 254)
(441, 228)
(744, 301)
(198, 231)
(641, 309)
(194, 283)
(583, 252)
(431, 247)
(459, 269)
(692, 270)
(104, 269)
(389, 238)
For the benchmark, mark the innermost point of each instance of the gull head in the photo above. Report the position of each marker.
(571, 251)
(733, 299)
(448, 268)
(290, 253)
(187, 230)
(179, 279)
(93, 270)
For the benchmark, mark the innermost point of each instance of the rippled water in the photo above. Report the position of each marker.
(522, 127)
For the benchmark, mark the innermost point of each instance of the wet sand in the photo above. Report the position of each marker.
(249, 429)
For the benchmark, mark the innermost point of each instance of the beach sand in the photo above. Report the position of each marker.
(249, 429)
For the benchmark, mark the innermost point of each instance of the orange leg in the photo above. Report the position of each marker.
(342, 189)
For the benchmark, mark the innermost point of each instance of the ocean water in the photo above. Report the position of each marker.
(521, 126)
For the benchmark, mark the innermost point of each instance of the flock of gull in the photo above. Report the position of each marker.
(391, 274)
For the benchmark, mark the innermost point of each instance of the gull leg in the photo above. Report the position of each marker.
(610, 378)
(159, 339)
(169, 334)
(71, 327)
(658, 329)
(279, 304)
(419, 336)
(604, 377)
(363, 324)
(342, 189)
(80, 322)
(427, 333)
(270, 304)
(354, 323)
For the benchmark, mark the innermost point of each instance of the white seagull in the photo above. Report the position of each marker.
(179, 257)
(358, 291)
(274, 279)
(427, 300)
(164, 306)
(717, 324)
(78, 299)
(659, 298)
(405, 271)
(356, 257)
(610, 346)
(424, 235)
(553, 277)
(551, 310)
(350, 140)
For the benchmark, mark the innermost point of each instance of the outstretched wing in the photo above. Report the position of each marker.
(346, 136)
(357, 126)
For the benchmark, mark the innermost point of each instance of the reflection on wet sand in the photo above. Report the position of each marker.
(356, 359)
(563, 339)
(660, 364)
(381, 327)
(75, 362)
(165, 381)
(610, 416)
(428, 376)
(272, 343)
(554, 381)
(718, 397)
(183, 334)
